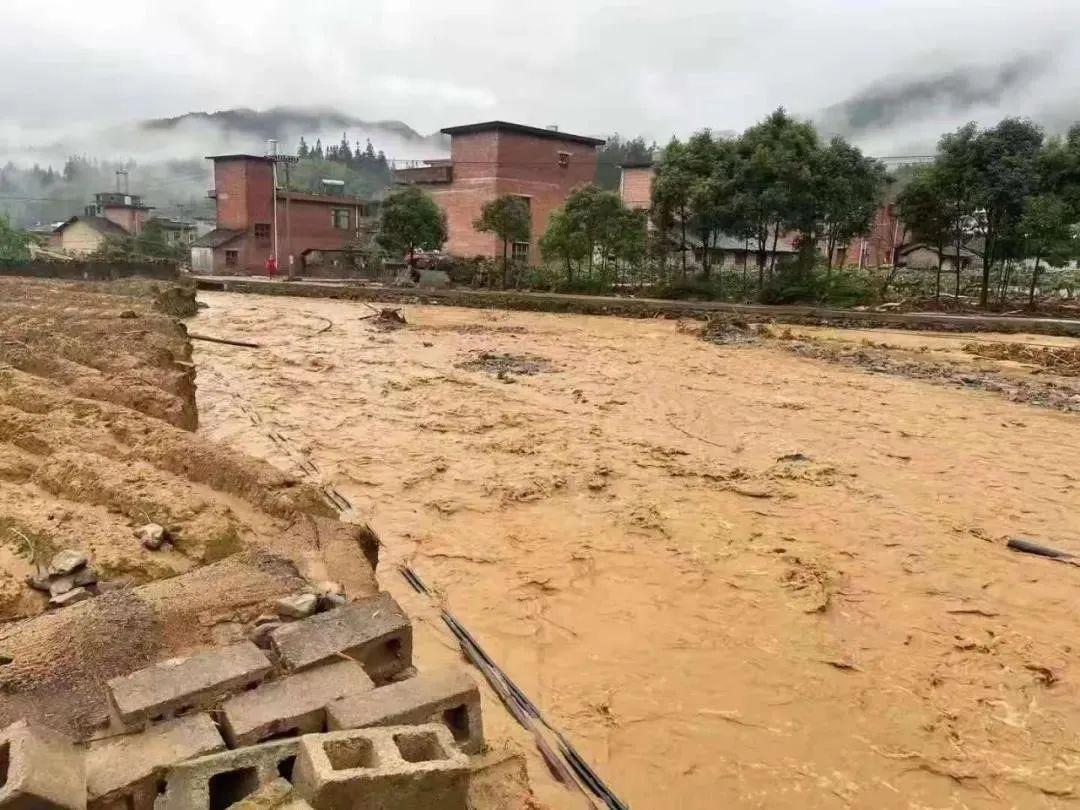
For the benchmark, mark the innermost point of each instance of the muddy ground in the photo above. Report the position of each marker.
(735, 575)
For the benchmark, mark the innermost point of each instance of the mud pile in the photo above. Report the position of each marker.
(97, 409)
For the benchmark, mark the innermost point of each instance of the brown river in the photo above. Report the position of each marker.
(732, 576)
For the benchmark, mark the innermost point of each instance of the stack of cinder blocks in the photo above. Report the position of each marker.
(329, 721)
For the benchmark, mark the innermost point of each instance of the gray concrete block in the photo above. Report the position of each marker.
(447, 696)
(223, 779)
(400, 767)
(292, 706)
(174, 687)
(131, 767)
(40, 770)
(375, 632)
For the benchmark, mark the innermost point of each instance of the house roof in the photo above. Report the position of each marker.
(216, 238)
(950, 250)
(241, 156)
(785, 244)
(172, 224)
(538, 132)
(105, 227)
(329, 199)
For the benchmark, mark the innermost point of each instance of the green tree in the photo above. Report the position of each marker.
(848, 190)
(615, 152)
(924, 209)
(957, 180)
(409, 220)
(509, 218)
(1048, 229)
(562, 242)
(302, 151)
(12, 242)
(672, 184)
(1006, 171)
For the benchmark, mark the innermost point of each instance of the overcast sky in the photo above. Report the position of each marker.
(657, 68)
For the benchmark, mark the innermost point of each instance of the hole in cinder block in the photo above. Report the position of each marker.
(347, 754)
(5, 762)
(420, 746)
(457, 720)
(286, 734)
(285, 767)
(182, 711)
(231, 786)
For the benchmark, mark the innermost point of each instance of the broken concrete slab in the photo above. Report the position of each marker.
(448, 696)
(222, 779)
(67, 561)
(40, 770)
(74, 596)
(406, 767)
(294, 705)
(299, 606)
(130, 767)
(376, 632)
(173, 687)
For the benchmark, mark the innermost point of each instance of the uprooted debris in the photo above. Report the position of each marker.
(502, 365)
(727, 329)
(1063, 360)
(386, 318)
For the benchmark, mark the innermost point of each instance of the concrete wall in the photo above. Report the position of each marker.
(130, 219)
(77, 238)
(635, 186)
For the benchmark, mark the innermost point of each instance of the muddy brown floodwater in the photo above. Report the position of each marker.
(735, 577)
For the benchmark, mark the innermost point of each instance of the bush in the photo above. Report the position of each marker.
(792, 283)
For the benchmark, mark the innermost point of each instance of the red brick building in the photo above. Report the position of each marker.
(878, 247)
(495, 158)
(635, 184)
(308, 224)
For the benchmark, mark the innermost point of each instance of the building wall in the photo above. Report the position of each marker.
(877, 248)
(77, 238)
(490, 164)
(130, 219)
(635, 186)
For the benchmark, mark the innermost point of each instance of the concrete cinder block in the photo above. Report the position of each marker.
(375, 632)
(447, 696)
(292, 706)
(276, 795)
(404, 767)
(132, 767)
(222, 779)
(174, 687)
(40, 770)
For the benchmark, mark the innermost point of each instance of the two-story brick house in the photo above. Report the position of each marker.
(244, 237)
(495, 158)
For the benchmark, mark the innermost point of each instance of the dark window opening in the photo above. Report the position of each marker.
(457, 720)
(519, 251)
(232, 258)
(564, 159)
(228, 788)
(262, 231)
(419, 747)
(5, 762)
(345, 755)
(339, 218)
(285, 767)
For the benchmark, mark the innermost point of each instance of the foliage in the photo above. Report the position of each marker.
(924, 209)
(616, 152)
(410, 220)
(1049, 232)
(595, 224)
(509, 218)
(12, 242)
(365, 172)
(848, 191)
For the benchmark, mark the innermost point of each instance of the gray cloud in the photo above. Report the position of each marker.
(896, 73)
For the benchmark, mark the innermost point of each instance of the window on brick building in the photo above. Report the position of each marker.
(262, 231)
(564, 159)
(520, 252)
(232, 258)
(339, 218)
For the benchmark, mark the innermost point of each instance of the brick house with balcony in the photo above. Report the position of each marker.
(310, 226)
(495, 158)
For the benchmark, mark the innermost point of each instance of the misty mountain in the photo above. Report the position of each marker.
(288, 124)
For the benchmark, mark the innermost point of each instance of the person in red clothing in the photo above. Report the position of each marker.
(271, 266)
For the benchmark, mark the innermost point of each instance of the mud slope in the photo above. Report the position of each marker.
(736, 576)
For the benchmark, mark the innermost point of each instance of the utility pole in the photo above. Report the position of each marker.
(273, 194)
(288, 229)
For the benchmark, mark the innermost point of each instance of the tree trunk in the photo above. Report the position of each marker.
(956, 295)
(940, 261)
(705, 254)
(1034, 282)
(772, 258)
(988, 258)
(682, 222)
(506, 266)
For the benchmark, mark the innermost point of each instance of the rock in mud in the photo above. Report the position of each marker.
(85, 578)
(61, 585)
(297, 607)
(67, 561)
(74, 596)
(260, 635)
(38, 581)
(152, 536)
